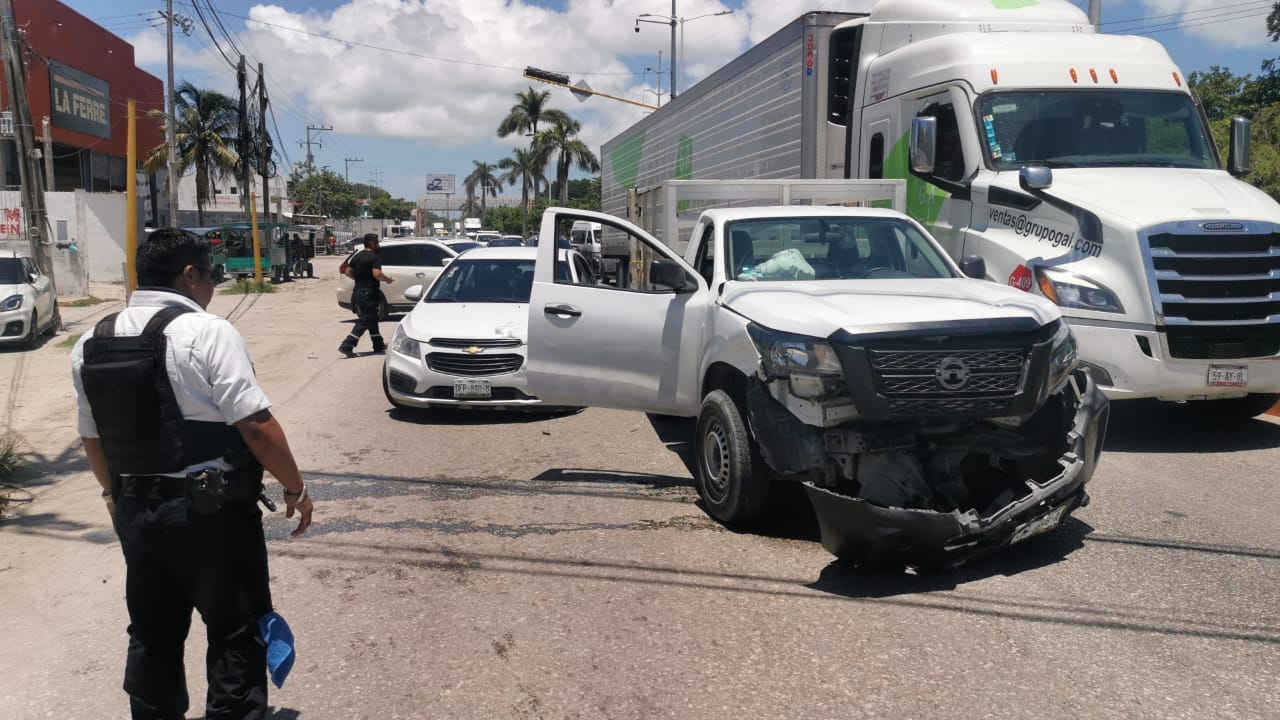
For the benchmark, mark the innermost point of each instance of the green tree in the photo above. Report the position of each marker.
(1221, 92)
(525, 167)
(561, 139)
(530, 109)
(584, 193)
(326, 193)
(206, 128)
(483, 176)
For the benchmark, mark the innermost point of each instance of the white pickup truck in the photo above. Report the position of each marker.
(930, 415)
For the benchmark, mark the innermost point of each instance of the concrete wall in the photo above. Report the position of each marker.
(88, 235)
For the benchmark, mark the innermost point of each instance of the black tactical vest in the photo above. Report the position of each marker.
(139, 422)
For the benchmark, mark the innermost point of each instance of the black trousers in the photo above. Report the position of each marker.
(365, 301)
(176, 561)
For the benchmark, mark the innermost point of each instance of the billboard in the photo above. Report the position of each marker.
(443, 184)
(79, 101)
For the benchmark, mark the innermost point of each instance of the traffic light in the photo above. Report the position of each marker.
(546, 76)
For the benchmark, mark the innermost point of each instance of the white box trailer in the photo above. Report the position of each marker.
(1079, 165)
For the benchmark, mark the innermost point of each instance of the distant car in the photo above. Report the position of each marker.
(460, 245)
(28, 307)
(464, 344)
(409, 262)
(507, 241)
(485, 236)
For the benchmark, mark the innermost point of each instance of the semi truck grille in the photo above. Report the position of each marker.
(948, 382)
(481, 364)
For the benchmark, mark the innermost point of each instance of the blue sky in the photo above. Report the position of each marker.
(417, 87)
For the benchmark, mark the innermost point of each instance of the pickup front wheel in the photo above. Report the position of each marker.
(731, 478)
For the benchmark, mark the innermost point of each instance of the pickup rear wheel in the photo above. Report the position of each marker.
(730, 476)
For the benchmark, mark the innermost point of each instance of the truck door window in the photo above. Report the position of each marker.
(625, 260)
(706, 258)
(949, 161)
(875, 167)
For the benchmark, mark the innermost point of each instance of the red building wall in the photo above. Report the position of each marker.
(59, 33)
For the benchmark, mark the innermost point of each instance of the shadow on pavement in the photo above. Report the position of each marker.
(1155, 426)
(610, 477)
(449, 416)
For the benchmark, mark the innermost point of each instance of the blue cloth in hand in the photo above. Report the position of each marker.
(278, 638)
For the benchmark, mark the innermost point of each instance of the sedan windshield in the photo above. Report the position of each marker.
(10, 271)
(823, 248)
(1093, 128)
(484, 281)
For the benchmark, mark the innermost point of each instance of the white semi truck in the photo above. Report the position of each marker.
(1078, 165)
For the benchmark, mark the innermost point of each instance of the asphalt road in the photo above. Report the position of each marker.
(503, 565)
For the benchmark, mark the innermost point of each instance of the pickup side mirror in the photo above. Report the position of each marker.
(413, 293)
(924, 144)
(668, 273)
(974, 266)
(1238, 154)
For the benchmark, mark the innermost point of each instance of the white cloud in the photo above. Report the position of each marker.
(1217, 23)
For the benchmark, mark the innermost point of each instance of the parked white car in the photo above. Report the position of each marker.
(464, 344)
(409, 262)
(28, 306)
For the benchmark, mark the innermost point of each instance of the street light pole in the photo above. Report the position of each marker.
(673, 50)
(684, 73)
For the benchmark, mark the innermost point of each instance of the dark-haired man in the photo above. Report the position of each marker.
(365, 268)
(180, 464)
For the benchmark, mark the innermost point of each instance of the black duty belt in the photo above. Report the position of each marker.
(241, 486)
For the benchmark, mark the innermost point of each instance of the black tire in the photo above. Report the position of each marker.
(33, 336)
(311, 271)
(731, 479)
(56, 324)
(1234, 410)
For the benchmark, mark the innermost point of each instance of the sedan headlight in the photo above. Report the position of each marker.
(13, 302)
(405, 345)
(1064, 357)
(1075, 291)
(810, 364)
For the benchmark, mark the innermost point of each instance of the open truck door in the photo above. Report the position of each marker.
(633, 346)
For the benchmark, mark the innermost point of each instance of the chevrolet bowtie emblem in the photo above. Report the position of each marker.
(473, 350)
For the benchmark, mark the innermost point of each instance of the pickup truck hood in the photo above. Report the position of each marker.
(1151, 196)
(468, 321)
(821, 307)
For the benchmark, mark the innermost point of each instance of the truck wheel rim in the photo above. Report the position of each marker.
(715, 458)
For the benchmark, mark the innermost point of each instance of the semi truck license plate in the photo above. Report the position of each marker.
(471, 389)
(1228, 376)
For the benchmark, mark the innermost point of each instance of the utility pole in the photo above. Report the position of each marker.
(309, 143)
(48, 154)
(171, 119)
(24, 136)
(377, 177)
(346, 169)
(1095, 14)
(264, 143)
(673, 50)
(243, 147)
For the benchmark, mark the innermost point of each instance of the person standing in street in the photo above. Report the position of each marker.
(365, 268)
(177, 432)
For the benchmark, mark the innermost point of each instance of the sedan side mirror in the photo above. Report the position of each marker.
(413, 293)
(668, 273)
(974, 266)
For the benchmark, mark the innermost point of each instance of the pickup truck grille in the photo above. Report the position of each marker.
(948, 382)
(482, 364)
(1218, 294)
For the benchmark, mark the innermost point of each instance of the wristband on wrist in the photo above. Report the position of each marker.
(106, 496)
(296, 497)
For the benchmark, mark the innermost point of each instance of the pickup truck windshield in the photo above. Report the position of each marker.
(1093, 128)
(835, 247)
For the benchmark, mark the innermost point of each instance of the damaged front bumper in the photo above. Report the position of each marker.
(859, 531)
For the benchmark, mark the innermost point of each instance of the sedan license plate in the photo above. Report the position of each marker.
(471, 389)
(1228, 376)
(1042, 524)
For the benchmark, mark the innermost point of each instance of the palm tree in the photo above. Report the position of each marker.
(470, 208)
(562, 139)
(529, 110)
(206, 128)
(526, 167)
(484, 177)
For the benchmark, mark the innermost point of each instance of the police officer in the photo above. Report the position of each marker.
(179, 453)
(365, 268)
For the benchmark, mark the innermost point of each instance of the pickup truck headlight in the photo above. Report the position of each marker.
(1064, 357)
(13, 302)
(405, 345)
(1074, 291)
(810, 364)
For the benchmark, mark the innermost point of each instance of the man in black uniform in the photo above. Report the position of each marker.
(177, 433)
(365, 267)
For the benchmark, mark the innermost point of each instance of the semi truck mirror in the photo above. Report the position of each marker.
(924, 144)
(974, 266)
(1238, 157)
(1035, 177)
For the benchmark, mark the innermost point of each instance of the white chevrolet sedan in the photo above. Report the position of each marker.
(464, 344)
(409, 262)
(28, 306)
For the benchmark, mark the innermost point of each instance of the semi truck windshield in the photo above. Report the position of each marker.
(1092, 128)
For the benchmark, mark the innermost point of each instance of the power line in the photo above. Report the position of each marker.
(1224, 6)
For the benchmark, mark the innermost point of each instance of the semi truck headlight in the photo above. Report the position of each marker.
(13, 302)
(1074, 291)
(787, 355)
(405, 345)
(1064, 357)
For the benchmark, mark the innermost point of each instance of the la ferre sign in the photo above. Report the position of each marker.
(80, 102)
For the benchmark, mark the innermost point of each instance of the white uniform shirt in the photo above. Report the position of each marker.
(208, 364)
